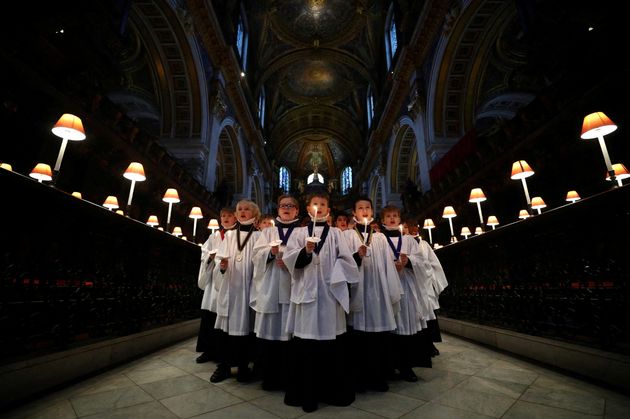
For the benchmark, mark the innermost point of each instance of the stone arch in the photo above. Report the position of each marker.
(229, 164)
(377, 192)
(175, 68)
(402, 158)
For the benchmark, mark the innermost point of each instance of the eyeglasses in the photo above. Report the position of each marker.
(287, 206)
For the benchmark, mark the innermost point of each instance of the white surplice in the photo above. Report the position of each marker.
(436, 279)
(271, 288)
(233, 286)
(206, 269)
(319, 291)
(375, 299)
(414, 306)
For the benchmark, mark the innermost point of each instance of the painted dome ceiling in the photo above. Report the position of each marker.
(314, 60)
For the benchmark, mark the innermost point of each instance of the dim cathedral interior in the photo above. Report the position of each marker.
(412, 103)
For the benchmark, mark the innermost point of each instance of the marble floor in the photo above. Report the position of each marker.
(466, 381)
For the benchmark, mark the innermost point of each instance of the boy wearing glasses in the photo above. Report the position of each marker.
(271, 294)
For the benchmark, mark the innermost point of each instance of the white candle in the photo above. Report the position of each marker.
(365, 222)
(314, 220)
(273, 223)
(400, 227)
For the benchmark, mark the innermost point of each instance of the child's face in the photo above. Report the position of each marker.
(362, 209)
(342, 222)
(318, 207)
(287, 210)
(265, 223)
(244, 212)
(391, 219)
(227, 219)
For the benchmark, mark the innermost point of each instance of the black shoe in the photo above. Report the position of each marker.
(243, 375)
(308, 408)
(204, 357)
(435, 351)
(219, 375)
(407, 374)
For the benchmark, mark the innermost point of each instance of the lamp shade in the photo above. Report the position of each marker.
(195, 212)
(428, 224)
(69, 127)
(572, 196)
(213, 224)
(184, 238)
(523, 214)
(171, 196)
(449, 212)
(41, 172)
(538, 203)
(465, 231)
(620, 172)
(477, 195)
(111, 202)
(77, 195)
(177, 231)
(521, 170)
(595, 125)
(120, 212)
(493, 221)
(478, 231)
(6, 166)
(135, 171)
(153, 220)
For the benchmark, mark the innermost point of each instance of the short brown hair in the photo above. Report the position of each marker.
(323, 195)
(390, 208)
(229, 210)
(291, 197)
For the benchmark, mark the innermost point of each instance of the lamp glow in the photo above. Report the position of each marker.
(135, 173)
(493, 221)
(6, 166)
(213, 225)
(478, 231)
(177, 231)
(449, 212)
(621, 173)
(477, 196)
(523, 214)
(538, 204)
(521, 170)
(596, 125)
(41, 172)
(429, 225)
(77, 195)
(572, 196)
(69, 128)
(111, 203)
(153, 220)
(171, 197)
(195, 214)
(465, 232)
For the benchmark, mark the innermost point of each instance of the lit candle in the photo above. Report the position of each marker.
(314, 221)
(273, 223)
(365, 222)
(400, 227)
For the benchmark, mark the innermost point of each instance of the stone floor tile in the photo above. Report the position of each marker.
(388, 404)
(569, 400)
(525, 410)
(173, 386)
(493, 386)
(238, 411)
(156, 374)
(200, 401)
(109, 400)
(434, 410)
(151, 410)
(488, 404)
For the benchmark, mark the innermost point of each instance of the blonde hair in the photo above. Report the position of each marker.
(252, 205)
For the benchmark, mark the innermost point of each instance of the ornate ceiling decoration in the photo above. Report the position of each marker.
(315, 63)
